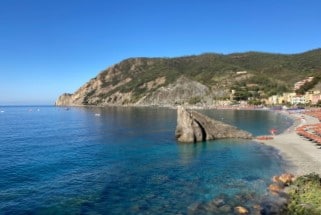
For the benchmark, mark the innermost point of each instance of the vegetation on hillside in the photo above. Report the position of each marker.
(258, 87)
(270, 73)
(266, 74)
(305, 196)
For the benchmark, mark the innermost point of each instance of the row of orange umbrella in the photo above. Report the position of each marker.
(313, 131)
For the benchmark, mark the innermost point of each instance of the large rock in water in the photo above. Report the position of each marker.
(194, 127)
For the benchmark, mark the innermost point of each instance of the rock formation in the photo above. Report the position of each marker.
(194, 127)
(240, 210)
(285, 178)
(180, 92)
(64, 100)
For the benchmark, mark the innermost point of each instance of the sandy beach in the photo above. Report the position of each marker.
(301, 155)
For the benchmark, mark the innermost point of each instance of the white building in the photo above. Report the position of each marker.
(298, 100)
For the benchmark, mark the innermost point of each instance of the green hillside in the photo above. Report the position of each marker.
(251, 75)
(272, 72)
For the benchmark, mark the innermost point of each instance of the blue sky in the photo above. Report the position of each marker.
(48, 47)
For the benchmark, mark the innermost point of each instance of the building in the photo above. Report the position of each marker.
(275, 100)
(298, 100)
(312, 96)
(288, 97)
(315, 98)
(291, 98)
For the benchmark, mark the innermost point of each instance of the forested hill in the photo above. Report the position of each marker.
(189, 79)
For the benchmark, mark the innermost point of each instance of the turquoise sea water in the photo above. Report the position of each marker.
(126, 161)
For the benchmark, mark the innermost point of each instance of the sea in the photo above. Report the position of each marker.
(125, 160)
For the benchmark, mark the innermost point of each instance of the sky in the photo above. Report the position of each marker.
(48, 47)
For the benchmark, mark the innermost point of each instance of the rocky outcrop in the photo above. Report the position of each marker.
(277, 200)
(64, 100)
(183, 90)
(285, 178)
(101, 90)
(194, 127)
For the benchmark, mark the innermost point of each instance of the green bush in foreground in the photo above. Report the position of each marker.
(305, 195)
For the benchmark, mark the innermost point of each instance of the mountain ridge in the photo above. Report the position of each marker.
(211, 76)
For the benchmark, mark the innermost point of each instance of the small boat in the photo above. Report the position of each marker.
(97, 114)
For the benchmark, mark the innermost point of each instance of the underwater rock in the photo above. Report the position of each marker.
(225, 209)
(241, 210)
(275, 188)
(218, 202)
(275, 205)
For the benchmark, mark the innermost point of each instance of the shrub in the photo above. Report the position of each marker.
(305, 195)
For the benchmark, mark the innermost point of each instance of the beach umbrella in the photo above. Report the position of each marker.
(273, 131)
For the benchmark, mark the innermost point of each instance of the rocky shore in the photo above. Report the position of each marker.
(300, 195)
(295, 192)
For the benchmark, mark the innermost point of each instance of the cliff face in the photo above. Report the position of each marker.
(101, 90)
(194, 127)
(181, 91)
(193, 79)
(126, 84)
(64, 100)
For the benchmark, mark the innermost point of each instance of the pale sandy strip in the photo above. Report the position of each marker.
(303, 156)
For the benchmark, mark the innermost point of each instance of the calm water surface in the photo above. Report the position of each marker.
(125, 161)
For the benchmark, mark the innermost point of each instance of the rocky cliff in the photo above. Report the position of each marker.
(181, 91)
(194, 127)
(131, 83)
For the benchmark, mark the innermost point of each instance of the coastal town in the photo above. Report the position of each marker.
(311, 97)
(304, 93)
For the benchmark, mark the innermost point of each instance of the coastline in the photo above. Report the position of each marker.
(301, 155)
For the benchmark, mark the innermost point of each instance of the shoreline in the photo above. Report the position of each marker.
(301, 156)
